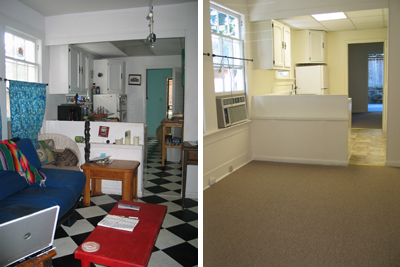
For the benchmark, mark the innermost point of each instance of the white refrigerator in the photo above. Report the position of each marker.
(114, 103)
(312, 80)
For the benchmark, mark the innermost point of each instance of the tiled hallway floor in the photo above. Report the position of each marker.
(368, 146)
(165, 181)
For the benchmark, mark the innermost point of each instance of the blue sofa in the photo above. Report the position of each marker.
(62, 187)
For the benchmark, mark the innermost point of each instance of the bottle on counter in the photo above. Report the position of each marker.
(98, 90)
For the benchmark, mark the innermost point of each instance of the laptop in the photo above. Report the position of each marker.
(27, 235)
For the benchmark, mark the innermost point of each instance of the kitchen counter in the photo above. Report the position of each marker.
(313, 129)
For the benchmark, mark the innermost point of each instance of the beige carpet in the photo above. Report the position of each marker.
(277, 214)
(368, 120)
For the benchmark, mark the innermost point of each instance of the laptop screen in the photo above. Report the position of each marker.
(27, 235)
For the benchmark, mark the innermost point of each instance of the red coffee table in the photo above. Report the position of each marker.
(123, 248)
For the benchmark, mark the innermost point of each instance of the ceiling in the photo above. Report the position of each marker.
(356, 20)
(162, 47)
(134, 48)
(62, 7)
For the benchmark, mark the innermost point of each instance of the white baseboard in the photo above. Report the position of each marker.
(302, 160)
(226, 174)
(392, 163)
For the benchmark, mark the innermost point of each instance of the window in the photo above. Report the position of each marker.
(20, 60)
(226, 41)
(169, 98)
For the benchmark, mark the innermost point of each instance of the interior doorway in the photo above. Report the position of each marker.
(366, 82)
(156, 98)
(165, 97)
(366, 68)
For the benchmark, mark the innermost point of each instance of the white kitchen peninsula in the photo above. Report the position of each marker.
(98, 145)
(313, 129)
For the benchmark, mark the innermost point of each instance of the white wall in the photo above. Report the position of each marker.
(309, 129)
(230, 146)
(225, 148)
(393, 116)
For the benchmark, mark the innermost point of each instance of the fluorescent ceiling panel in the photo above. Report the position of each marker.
(329, 16)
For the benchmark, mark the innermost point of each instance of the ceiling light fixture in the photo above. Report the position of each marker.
(152, 36)
(329, 16)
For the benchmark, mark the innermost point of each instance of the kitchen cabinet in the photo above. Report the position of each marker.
(271, 45)
(109, 75)
(69, 70)
(310, 46)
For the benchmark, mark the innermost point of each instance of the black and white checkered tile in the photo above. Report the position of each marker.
(163, 181)
(176, 244)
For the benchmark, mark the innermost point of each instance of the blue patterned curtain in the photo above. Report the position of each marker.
(27, 104)
(0, 126)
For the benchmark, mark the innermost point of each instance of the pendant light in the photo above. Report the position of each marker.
(152, 36)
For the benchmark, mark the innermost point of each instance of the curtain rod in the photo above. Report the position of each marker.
(213, 55)
(11, 80)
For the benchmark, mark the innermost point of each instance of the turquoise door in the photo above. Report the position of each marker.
(155, 104)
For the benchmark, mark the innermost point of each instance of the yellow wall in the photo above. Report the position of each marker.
(337, 55)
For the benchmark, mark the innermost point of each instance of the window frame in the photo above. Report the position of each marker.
(35, 42)
(35, 63)
(241, 40)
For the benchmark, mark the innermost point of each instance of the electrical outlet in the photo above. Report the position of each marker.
(212, 181)
(230, 168)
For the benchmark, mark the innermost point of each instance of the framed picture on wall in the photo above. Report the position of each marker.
(103, 131)
(135, 79)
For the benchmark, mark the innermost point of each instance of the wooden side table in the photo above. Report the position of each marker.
(167, 124)
(120, 170)
(190, 158)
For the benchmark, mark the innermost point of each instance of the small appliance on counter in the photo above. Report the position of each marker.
(76, 109)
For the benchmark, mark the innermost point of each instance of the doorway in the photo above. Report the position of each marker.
(156, 98)
(366, 65)
(366, 76)
(164, 97)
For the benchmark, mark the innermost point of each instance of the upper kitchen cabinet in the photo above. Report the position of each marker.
(271, 45)
(310, 46)
(69, 70)
(109, 75)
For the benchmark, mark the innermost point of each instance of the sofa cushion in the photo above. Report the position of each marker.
(11, 183)
(33, 199)
(57, 178)
(29, 151)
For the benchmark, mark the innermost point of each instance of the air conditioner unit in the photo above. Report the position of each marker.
(231, 111)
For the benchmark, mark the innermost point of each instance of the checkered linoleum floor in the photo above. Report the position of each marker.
(158, 180)
(176, 244)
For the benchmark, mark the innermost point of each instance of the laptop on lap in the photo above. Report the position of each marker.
(27, 235)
